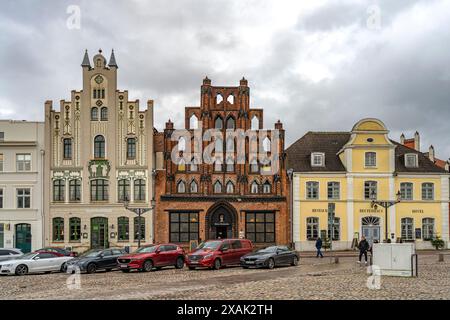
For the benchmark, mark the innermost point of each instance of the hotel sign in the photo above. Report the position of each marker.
(369, 211)
(319, 210)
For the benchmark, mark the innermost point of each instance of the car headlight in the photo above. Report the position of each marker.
(208, 256)
(7, 265)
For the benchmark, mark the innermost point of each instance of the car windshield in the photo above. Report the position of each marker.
(146, 249)
(28, 256)
(209, 245)
(91, 253)
(268, 250)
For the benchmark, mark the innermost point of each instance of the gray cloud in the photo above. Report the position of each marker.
(313, 66)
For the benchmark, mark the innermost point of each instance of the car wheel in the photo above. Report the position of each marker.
(21, 270)
(294, 262)
(217, 264)
(63, 267)
(108, 270)
(180, 263)
(91, 268)
(125, 270)
(191, 268)
(245, 267)
(148, 265)
(271, 263)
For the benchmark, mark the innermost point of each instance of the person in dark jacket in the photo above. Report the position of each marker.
(363, 246)
(319, 247)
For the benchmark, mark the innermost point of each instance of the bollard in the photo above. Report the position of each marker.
(441, 257)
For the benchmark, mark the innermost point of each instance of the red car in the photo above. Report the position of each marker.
(60, 252)
(217, 253)
(153, 256)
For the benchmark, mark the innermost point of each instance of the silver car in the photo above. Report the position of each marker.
(34, 262)
(9, 254)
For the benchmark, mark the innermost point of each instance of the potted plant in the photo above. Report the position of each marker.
(437, 242)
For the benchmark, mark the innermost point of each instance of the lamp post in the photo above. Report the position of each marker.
(385, 205)
(290, 173)
(139, 212)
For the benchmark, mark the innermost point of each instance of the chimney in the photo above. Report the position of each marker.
(278, 125)
(402, 139)
(243, 82)
(431, 153)
(447, 165)
(417, 141)
(169, 125)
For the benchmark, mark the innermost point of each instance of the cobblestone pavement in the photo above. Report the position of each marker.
(312, 279)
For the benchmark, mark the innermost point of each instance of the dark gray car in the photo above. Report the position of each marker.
(96, 259)
(9, 254)
(270, 257)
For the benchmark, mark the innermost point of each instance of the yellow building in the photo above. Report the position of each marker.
(340, 174)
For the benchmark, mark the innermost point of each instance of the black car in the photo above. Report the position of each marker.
(270, 257)
(96, 259)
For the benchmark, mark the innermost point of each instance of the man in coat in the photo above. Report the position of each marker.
(363, 247)
(319, 247)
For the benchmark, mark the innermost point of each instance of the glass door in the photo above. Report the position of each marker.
(99, 233)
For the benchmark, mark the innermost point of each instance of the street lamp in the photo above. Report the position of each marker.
(139, 212)
(385, 205)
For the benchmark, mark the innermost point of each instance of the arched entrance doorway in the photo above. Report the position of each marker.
(221, 221)
(23, 237)
(371, 228)
(99, 233)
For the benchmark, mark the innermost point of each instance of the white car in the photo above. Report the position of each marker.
(34, 262)
(9, 254)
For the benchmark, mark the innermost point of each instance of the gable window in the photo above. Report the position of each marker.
(312, 228)
(139, 190)
(266, 144)
(104, 114)
(411, 160)
(194, 187)
(193, 122)
(370, 159)
(254, 167)
(218, 165)
(75, 229)
(230, 165)
(123, 229)
(181, 186)
(312, 190)
(193, 166)
(407, 225)
(317, 159)
(218, 123)
(131, 148)
(406, 190)
(255, 123)
(58, 229)
(254, 187)
(67, 153)
(428, 228)
(427, 191)
(230, 187)
(74, 190)
(334, 190)
(231, 123)
(267, 187)
(23, 162)
(58, 190)
(99, 147)
(99, 190)
(370, 190)
(217, 187)
(23, 198)
(94, 114)
(181, 165)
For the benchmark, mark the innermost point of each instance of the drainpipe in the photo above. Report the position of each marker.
(42, 198)
(290, 173)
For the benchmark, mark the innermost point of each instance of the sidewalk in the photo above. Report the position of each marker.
(355, 253)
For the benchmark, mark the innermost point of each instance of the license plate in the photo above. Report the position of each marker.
(194, 262)
(250, 262)
(124, 266)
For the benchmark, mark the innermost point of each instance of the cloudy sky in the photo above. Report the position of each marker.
(315, 65)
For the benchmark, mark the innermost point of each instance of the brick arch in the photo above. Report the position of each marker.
(230, 213)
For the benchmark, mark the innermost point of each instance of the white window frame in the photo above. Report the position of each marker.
(21, 165)
(333, 184)
(373, 161)
(432, 191)
(311, 184)
(407, 228)
(17, 197)
(416, 160)
(318, 155)
(403, 197)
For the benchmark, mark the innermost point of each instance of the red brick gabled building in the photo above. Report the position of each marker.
(199, 201)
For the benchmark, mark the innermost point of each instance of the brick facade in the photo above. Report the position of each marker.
(225, 213)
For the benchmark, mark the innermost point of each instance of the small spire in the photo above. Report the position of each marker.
(112, 60)
(86, 62)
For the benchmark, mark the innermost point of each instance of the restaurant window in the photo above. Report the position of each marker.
(428, 228)
(260, 227)
(139, 233)
(312, 190)
(406, 190)
(75, 229)
(427, 191)
(59, 190)
(407, 225)
(183, 226)
(123, 229)
(312, 228)
(334, 190)
(58, 229)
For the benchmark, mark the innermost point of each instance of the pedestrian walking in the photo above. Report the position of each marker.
(363, 246)
(319, 247)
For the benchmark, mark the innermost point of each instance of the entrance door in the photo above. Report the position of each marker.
(371, 229)
(221, 232)
(2, 242)
(23, 237)
(99, 233)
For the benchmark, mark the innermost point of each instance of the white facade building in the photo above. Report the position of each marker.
(21, 184)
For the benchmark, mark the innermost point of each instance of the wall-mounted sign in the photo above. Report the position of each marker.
(417, 211)
(319, 210)
(85, 235)
(369, 210)
(112, 235)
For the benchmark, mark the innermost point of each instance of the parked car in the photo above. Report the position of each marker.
(153, 256)
(270, 257)
(34, 262)
(9, 254)
(218, 253)
(59, 251)
(96, 259)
